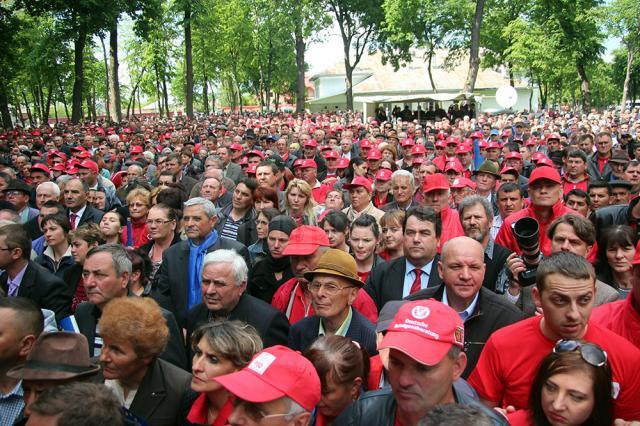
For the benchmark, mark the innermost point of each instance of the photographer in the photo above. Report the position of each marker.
(572, 233)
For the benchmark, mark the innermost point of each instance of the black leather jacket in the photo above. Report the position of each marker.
(379, 407)
(619, 214)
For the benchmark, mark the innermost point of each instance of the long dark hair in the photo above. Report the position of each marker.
(568, 362)
(613, 236)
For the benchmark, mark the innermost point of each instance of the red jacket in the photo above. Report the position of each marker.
(140, 233)
(295, 308)
(506, 237)
(568, 185)
(451, 226)
(621, 317)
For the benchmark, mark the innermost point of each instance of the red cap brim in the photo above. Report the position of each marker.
(304, 249)
(248, 386)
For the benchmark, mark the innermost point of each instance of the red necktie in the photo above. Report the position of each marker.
(73, 217)
(416, 283)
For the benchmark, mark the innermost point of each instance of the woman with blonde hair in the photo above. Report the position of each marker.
(139, 203)
(299, 203)
(219, 347)
(134, 334)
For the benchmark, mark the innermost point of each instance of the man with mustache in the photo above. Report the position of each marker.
(476, 217)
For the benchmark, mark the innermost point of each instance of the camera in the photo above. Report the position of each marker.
(527, 233)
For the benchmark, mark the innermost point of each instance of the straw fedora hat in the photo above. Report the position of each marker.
(339, 264)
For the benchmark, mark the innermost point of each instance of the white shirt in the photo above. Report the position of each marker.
(410, 276)
(78, 214)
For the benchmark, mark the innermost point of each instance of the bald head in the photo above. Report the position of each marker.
(462, 271)
(462, 245)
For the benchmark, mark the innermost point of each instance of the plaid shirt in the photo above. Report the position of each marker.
(11, 405)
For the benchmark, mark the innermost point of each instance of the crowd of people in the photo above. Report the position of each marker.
(322, 269)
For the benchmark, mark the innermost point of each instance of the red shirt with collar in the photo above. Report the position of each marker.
(621, 317)
(567, 185)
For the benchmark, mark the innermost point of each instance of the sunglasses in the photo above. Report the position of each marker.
(590, 353)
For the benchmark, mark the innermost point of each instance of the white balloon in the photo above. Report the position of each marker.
(506, 96)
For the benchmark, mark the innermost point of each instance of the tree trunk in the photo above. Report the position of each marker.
(213, 102)
(474, 50)
(133, 93)
(625, 87)
(26, 105)
(158, 95)
(205, 93)
(48, 104)
(429, 70)
(165, 92)
(55, 109)
(63, 97)
(300, 48)
(114, 82)
(78, 68)
(106, 74)
(349, 82)
(512, 81)
(584, 87)
(188, 59)
(5, 114)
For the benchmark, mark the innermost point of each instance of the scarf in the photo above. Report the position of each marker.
(196, 256)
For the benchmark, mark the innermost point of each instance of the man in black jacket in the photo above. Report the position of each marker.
(415, 270)
(461, 268)
(425, 341)
(25, 278)
(106, 272)
(476, 217)
(223, 286)
(178, 285)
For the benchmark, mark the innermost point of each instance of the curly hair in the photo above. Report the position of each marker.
(137, 320)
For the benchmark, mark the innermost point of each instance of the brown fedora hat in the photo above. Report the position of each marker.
(339, 264)
(56, 356)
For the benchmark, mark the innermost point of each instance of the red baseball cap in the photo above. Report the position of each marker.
(463, 182)
(477, 135)
(418, 149)
(72, 171)
(298, 163)
(434, 181)
(530, 142)
(365, 143)
(440, 144)
(513, 155)
(256, 152)
(424, 330)
(304, 240)
(538, 156)
(493, 145)
(59, 168)
(78, 148)
(311, 142)
(41, 168)
(331, 154)
(419, 160)
(325, 147)
(89, 164)
(244, 161)
(544, 162)
(374, 154)
(235, 147)
(59, 154)
(452, 165)
(548, 173)
(343, 163)
(452, 140)
(274, 373)
(553, 136)
(483, 144)
(308, 164)
(359, 181)
(384, 175)
(137, 149)
(251, 170)
(509, 170)
(463, 149)
(407, 142)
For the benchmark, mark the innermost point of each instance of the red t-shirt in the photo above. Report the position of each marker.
(621, 317)
(506, 368)
(520, 418)
(602, 162)
(568, 185)
(319, 193)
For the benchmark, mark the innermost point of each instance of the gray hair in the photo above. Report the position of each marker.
(294, 409)
(63, 179)
(238, 265)
(50, 185)
(119, 257)
(403, 173)
(473, 200)
(209, 207)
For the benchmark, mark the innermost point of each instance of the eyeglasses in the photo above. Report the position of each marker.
(13, 193)
(590, 353)
(252, 410)
(137, 204)
(158, 221)
(330, 289)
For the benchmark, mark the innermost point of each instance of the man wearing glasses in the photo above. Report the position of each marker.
(333, 285)
(565, 290)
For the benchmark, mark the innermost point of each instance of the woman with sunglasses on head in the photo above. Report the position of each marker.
(572, 387)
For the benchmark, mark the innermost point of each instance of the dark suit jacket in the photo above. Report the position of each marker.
(162, 398)
(494, 266)
(233, 171)
(271, 324)
(91, 215)
(386, 281)
(393, 205)
(491, 313)
(173, 277)
(87, 316)
(44, 288)
(304, 332)
(33, 229)
(188, 182)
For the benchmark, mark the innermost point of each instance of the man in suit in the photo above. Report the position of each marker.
(45, 192)
(230, 170)
(476, 216)
(106, 271)
(178, 282)
(333, 284)
(174, 165)
(402, 187)
(415, 270)
(18, 194)
(25, 278)
(222, 291)
(80, 211)
(462, 268)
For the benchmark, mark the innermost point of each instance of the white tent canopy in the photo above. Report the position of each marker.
(417, 97)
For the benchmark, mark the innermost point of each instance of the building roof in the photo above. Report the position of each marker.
(414, 76)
